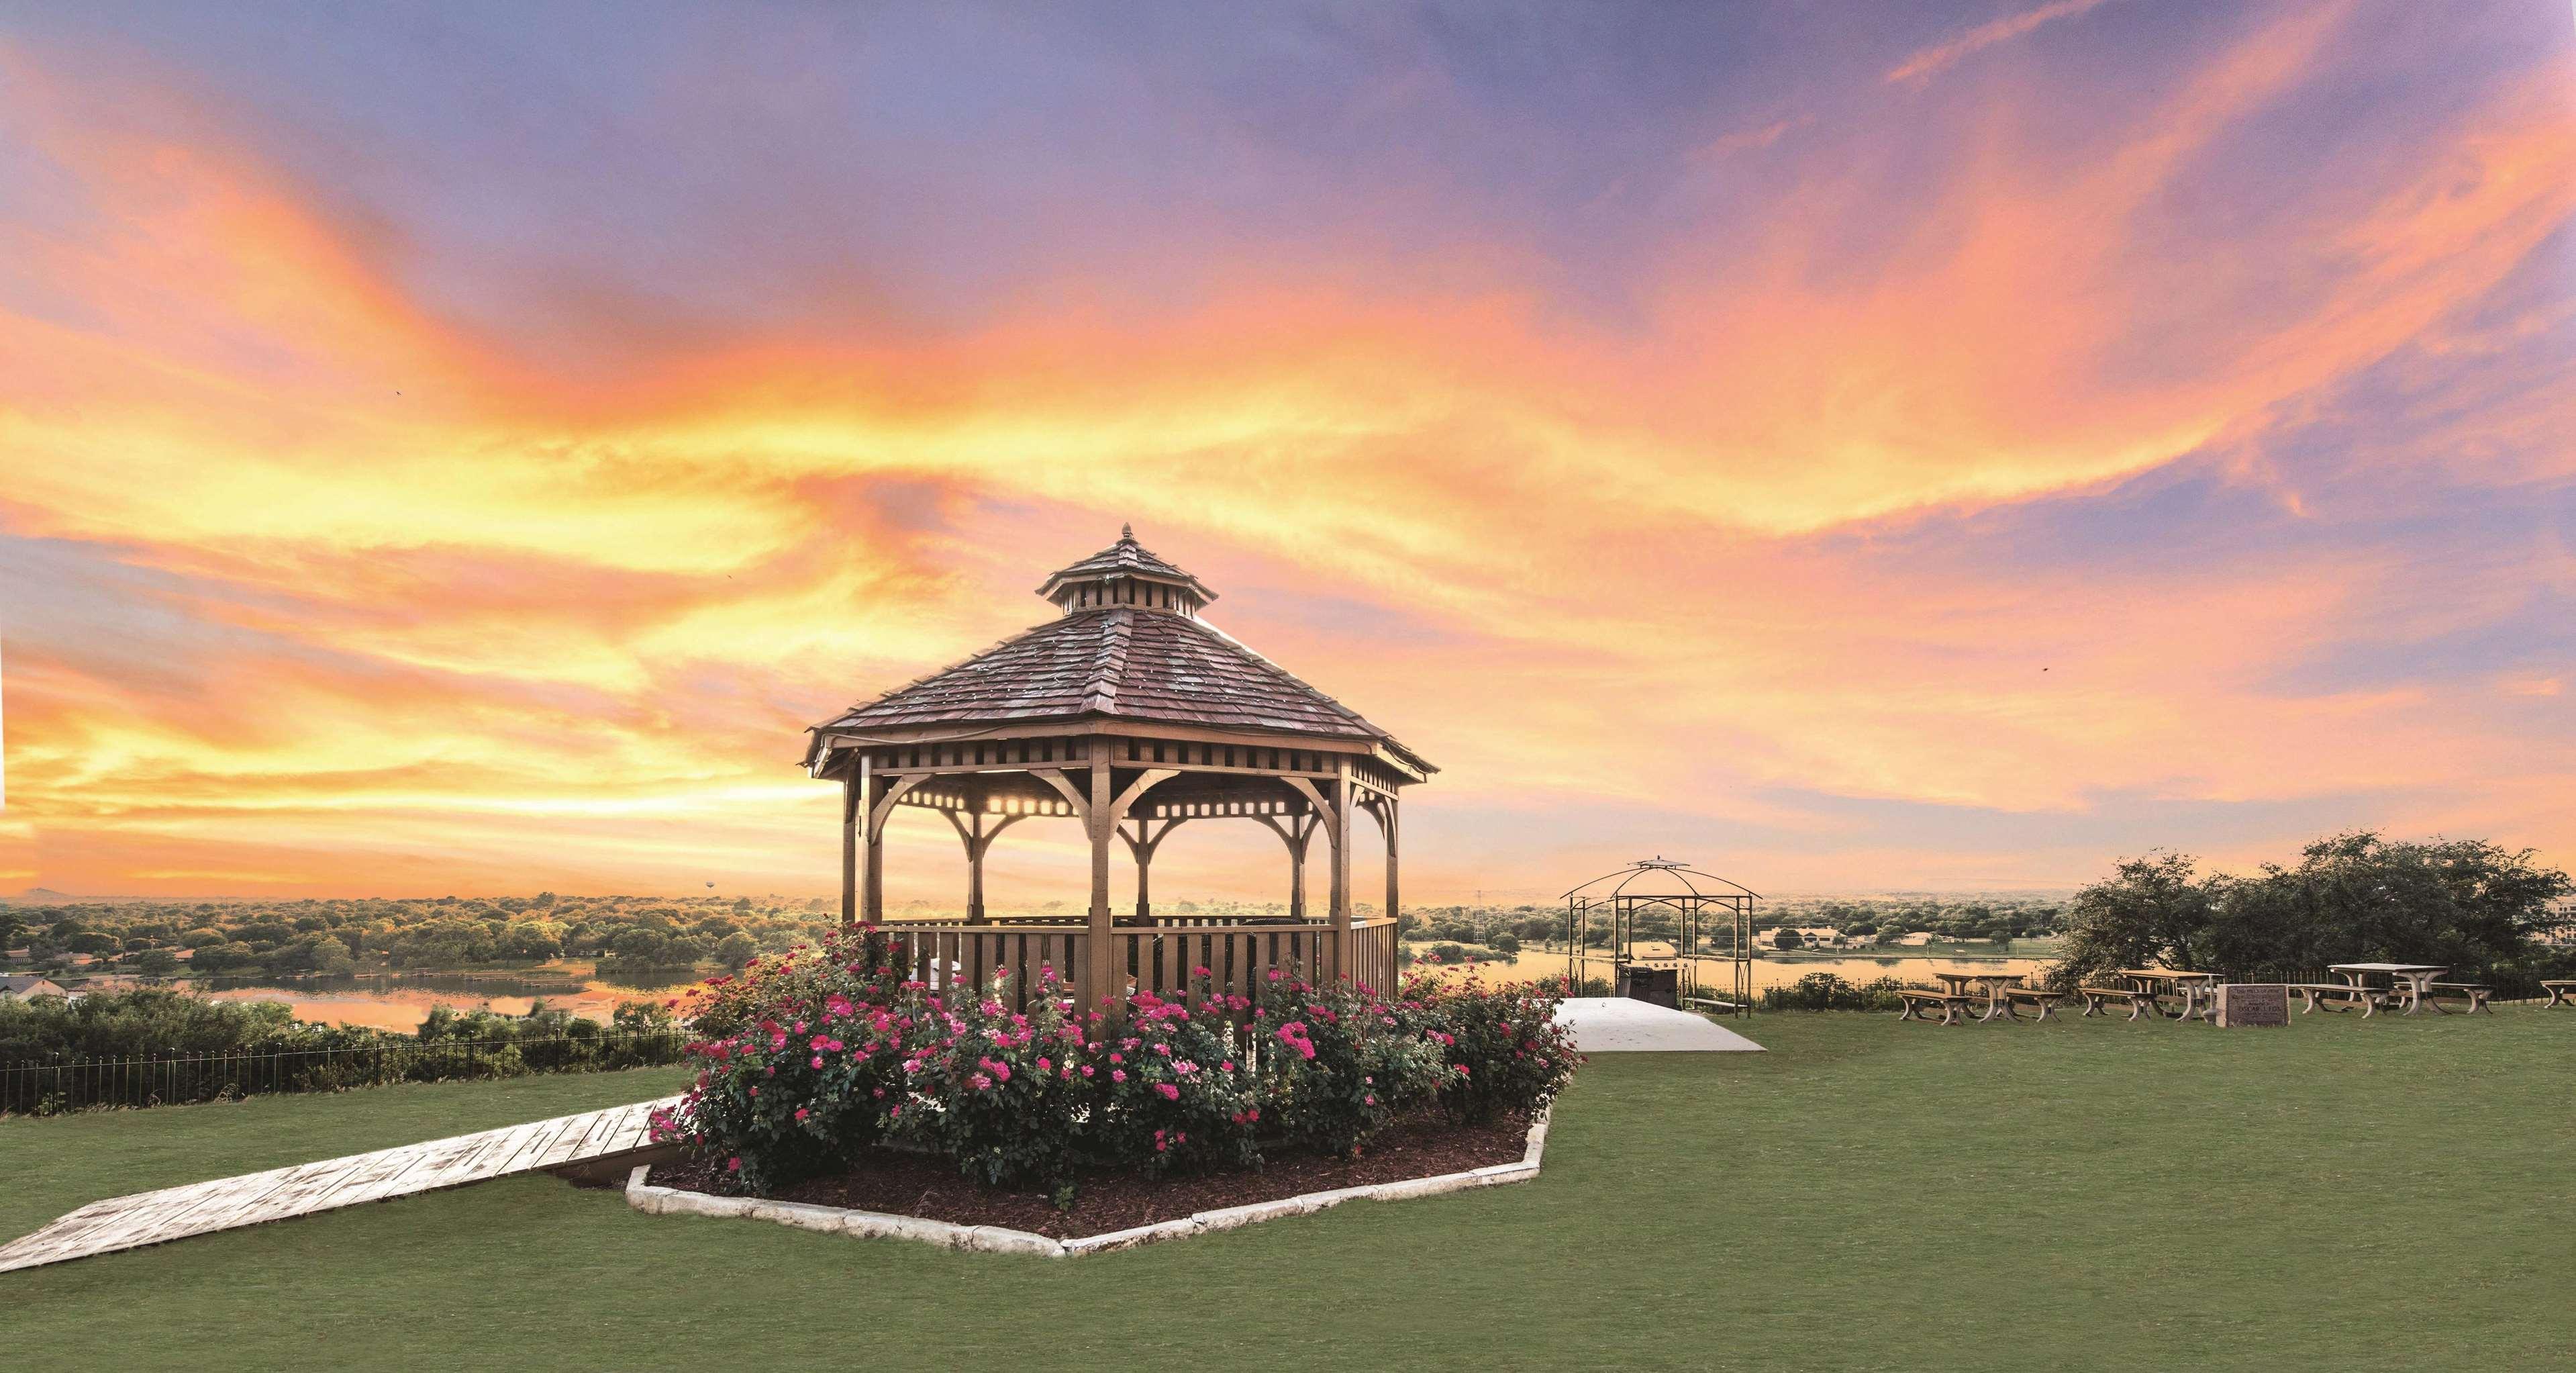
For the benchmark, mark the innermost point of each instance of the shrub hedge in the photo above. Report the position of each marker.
(807, 1059)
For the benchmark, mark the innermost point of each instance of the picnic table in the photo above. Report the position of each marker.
(1993, 985)
(2412, 982)
(2199, 991)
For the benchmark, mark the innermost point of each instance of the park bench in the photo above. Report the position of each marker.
(2040, 997)
(1917, 1001)
(2140, 1002)
(2315, 994)
(2475, 993)
(2560, 993)
(1712, 1004)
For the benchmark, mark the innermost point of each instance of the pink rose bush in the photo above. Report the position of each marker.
(1502, 1047)
(1181, 1094)
(810, 1058)
(1341, 1064)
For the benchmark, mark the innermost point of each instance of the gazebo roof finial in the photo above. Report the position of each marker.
(1126, 573)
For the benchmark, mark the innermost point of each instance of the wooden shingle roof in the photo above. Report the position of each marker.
(1118, 663)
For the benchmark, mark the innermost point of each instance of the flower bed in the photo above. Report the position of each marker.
(901, 1182)
(817, 1063)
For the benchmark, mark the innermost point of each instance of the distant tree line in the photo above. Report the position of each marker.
(2468, 905)
(162, 939)
(153, 1021)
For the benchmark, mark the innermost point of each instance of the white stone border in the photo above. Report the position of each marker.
(995, 1239)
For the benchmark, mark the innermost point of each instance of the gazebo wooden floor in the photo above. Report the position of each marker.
(130, 1222)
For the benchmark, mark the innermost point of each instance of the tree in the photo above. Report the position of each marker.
(156, 963)
(1787, 938)
(315, 953)
(2356, 897)
(736, 949)
(2153, 911)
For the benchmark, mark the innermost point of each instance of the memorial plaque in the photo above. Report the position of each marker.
(2253, 1003)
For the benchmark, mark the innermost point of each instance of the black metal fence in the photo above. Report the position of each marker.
(49, 1087)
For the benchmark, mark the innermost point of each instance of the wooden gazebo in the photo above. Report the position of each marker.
(1131, 715)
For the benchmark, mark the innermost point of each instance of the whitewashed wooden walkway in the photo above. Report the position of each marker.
(227, 1203)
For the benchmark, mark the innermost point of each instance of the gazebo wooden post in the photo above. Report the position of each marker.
(971, 832)
(872, 859)
(1387, 812)
(1098, 820)
(1141, 846)
(1341, 837)
(975, 872)
(1144, 855)
(877, 796)
(1302, 829)
(1294, 834)
(852, 788)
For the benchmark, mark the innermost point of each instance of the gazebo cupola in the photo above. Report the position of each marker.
(1132, 716)
(1125, 574)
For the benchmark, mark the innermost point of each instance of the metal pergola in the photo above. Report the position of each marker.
(1703, 919)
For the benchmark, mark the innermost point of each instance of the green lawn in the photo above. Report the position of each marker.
(1866, 1195)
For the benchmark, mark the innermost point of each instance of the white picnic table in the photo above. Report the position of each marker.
(2413, 982)
(1993, 983)
(2199, 991)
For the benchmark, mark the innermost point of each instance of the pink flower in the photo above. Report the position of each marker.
(1118, 1075)
(800, 1113)
(1170, 1092)
(1044, 1066)
(982, 1083)
(733, 1165)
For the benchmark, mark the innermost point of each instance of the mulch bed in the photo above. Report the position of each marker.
(910, 1184)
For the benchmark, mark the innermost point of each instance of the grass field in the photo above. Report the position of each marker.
(2400, 1193)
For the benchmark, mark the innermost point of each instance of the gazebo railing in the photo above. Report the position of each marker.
(1159, 959)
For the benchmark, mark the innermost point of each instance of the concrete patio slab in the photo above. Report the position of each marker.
(1619, 1025)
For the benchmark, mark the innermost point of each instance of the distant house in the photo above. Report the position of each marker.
(1915, 940)
(20, 986)
(1821, 936)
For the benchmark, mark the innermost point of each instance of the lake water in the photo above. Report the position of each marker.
(1537, 965)
(401, 1001)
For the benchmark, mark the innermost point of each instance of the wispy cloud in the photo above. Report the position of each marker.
(1942, 55)
(1748, 140)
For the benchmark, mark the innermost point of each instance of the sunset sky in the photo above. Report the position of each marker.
(459, 448)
